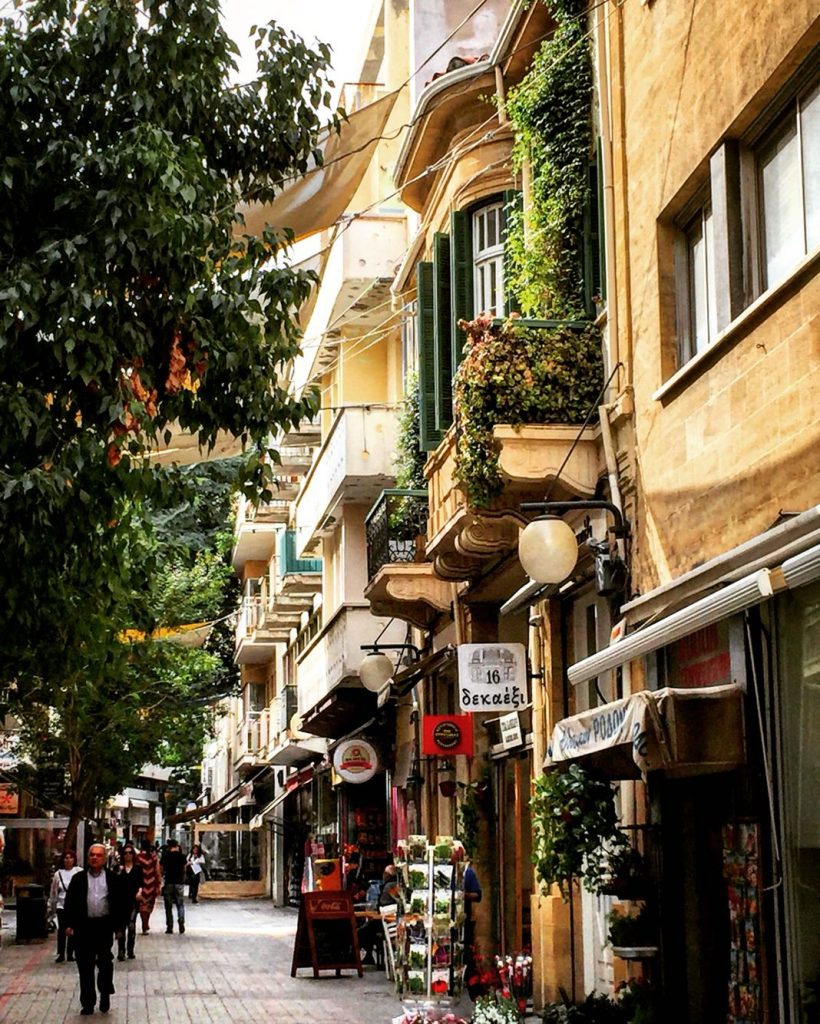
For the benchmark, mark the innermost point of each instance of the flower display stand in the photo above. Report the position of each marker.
(429, 933)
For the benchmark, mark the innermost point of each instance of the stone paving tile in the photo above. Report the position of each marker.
(232, 965)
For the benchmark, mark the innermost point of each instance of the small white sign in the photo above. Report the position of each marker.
(510, 726)
(492, 677)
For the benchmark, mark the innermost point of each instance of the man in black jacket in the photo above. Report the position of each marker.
(94, 912)
(173, 885)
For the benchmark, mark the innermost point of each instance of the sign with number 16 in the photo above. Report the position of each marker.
(492, 677)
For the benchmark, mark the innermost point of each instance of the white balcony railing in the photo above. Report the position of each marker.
(337, 652)
(355, 460)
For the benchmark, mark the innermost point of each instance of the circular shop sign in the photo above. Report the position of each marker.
(447, 735)
(355, 760)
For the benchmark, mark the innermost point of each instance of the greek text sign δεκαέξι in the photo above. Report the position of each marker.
(492, 677)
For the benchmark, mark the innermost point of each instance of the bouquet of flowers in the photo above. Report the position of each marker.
(429, 1015)
(495, 1009)
(515, 976)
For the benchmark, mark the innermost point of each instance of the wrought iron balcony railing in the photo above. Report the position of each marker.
(393, 525)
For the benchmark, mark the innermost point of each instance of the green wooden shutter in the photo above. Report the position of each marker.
(461, 280)
(430, 436)
(592, 241)
(512, 202)
(442, 319)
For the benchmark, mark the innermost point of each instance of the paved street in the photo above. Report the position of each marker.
(232, 964)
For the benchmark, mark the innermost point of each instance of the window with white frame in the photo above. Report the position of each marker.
(409, 344)
(788, 170)
(757, 217)
(701, 324)
(488, 259)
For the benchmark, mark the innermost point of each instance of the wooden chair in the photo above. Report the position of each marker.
(389, 924)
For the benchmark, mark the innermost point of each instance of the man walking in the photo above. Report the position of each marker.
(173, 886)
(93, 913)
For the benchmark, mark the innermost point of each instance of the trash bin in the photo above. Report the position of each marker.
(31, 912)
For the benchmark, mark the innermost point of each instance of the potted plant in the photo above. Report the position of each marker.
(639, 1001)
(574, 826)
(595, 1009)
(495, 1009)
(633, 936)
(625, 874)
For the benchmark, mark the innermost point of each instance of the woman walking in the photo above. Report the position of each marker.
(56, 902)
(131, 876)
(195, 871)
(149, 863)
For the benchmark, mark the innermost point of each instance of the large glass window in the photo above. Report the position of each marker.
(788, 165)
(800, 711)
(488, 259)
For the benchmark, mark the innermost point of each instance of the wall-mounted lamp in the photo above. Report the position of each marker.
(376, 668)
(547, 547)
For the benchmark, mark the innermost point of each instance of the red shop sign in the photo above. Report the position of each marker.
(445, 735)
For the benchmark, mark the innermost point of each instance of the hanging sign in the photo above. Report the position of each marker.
(9, 799)
(356, 760)
(446, 735)
(510, 728)
(492, 677)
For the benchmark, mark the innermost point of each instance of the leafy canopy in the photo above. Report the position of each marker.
(131, 302)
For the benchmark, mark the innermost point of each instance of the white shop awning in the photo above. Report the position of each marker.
(681, 731)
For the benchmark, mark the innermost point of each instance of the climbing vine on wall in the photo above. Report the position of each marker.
(551, 113)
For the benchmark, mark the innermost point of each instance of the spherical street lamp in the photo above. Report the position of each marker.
(547, 549)
(375, 670)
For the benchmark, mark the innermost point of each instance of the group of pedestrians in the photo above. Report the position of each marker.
(95, 905)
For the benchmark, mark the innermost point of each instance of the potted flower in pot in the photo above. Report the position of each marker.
(625, 873)
(633, 936)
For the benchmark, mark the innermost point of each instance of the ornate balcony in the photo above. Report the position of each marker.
(402, 583)
(460, 539)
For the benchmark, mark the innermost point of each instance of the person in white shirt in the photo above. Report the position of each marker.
(195, 871)
(56, 902)
(95, 909)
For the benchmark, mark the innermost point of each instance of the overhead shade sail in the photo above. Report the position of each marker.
(318, 199)
(224, 803)
(682, 731)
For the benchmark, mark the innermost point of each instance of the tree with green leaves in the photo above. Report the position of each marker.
(131, 303)
(130, 300)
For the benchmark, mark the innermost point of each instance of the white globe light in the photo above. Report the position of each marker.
(374, 671)
(547, 549)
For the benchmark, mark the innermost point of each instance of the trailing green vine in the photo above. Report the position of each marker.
(515, 375)
(467, 816)
(410, 458)
(551, 114)
(575, 830)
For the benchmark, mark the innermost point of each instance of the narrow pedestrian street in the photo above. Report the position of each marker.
(232, 964)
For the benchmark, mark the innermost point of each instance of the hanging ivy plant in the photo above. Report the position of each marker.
(515, 375)
(467, 816)
(575, 830)
(410, 458)
(551, 114)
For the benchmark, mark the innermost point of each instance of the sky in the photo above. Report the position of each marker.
(337, 22)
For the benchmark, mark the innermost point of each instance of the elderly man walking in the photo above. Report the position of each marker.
(94, 912)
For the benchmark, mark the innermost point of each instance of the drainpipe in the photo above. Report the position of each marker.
(501, 93)
(602, 53)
